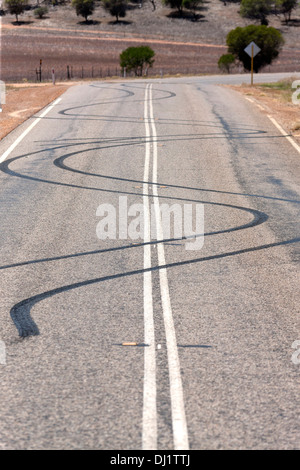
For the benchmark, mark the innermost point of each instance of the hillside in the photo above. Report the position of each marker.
(62, 39)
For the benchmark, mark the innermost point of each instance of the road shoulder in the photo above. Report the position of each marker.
(24, 100)
(275, 103)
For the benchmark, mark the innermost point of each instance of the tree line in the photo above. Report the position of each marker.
(253, 9)
(84, 8)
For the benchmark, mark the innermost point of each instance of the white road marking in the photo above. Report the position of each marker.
(29, 128)
(260, 107)
(277, 125)
(288, 137)
(180, 433)
(149, 405)
(257, 104)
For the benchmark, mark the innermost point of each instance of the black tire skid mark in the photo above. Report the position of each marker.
(258, 216)
(66, 112)
(26, 326)
(20, 313)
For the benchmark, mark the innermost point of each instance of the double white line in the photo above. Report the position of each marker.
(180, 434)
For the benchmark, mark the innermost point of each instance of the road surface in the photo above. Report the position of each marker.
(212, 360)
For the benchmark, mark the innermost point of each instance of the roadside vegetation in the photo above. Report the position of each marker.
(226, 62)
(137, 59)
(269, 23)
(268, 39)
(282, 85)
(256, 10)
(279, 99)
(282, 89)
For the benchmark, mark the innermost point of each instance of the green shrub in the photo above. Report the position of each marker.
(268, 39)
(40, 12)
(225, 62)
(135, 58)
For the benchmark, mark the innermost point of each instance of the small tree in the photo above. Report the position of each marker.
(286, 7)
(16, 7)
(256, 10)
(84, 8)
(40, 12)
(116, 8)
(268, 39)
(225, 62)
(135, 58)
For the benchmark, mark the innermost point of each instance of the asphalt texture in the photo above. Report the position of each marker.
(70, 300)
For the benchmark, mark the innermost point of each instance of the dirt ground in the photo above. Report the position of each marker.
(24, 100)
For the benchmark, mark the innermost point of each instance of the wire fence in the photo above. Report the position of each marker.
(69, 72)
(90, 72)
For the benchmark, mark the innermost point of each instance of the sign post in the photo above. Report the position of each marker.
(53, 76)
(252, 50)
(252, 62)
(41, 69)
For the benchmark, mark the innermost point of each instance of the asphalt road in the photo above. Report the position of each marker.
(214, 326)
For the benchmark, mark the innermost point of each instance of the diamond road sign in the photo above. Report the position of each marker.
(256, 49)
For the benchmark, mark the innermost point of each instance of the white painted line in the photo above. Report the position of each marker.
(257, 104)
(180, 433)
(288, 137)
(149, 439)
(276, 124)
(29, 128)
(260, 107)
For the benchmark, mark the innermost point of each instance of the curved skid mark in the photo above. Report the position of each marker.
(20, 313)
(258, 216)
(59, 163)
(65, 112)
